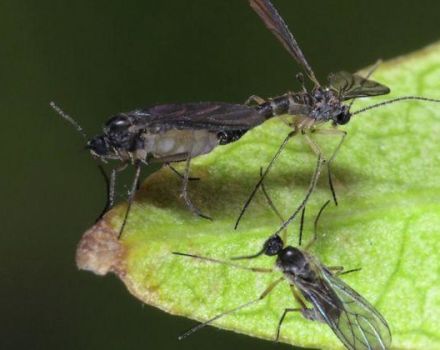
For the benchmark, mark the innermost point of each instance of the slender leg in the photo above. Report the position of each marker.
(301, 226)
(315, 226)
(280, 322)
(131, 196)
(286, 311)
(333, 132)
(312, 186)
(339, 270)
(272, 205)
(185, 196)
(262, 296)
(257, 186)
(179, 174)
(314, 146)
(110, 185)
(254, 99)
(228, 263)
(108, 189)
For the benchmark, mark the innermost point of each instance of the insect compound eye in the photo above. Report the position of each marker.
(343, 117)
(273, 245)
(98, 146)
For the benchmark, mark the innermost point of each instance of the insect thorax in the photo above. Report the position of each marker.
(326, 105)
(319, 105)
(296, 264)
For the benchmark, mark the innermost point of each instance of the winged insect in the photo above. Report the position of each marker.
(166, 134)
(313, 107)
(321, 295)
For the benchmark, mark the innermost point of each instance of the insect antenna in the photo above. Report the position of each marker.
(109, 182)
(394, 100)
(67, 117)
(253, 256)
(242, 306)
(224, 262)
(204, 324)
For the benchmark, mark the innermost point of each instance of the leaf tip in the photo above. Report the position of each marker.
(100, 251)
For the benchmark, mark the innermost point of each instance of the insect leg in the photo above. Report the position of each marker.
(185, 196)
(254, 99)
(315, 226)
(333, 132)
(110, 185)
(131, 196)
(272, 205)
(262, 296)
(224, 262)
(280, 322)
(286, 311)
(339, 270)
(301, 226)
(175, 171)
(257, 186)
(109, 200)
(312, 186)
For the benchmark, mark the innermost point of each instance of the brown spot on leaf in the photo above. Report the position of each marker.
(100, 251)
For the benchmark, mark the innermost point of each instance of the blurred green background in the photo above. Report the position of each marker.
(96, 58)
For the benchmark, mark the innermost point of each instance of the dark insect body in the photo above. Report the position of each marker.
(172, 132)
(357, 324)
(311, 108)
(167, 134)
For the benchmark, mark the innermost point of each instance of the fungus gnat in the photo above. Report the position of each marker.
(166, 134)
(311, 108)
(322, 296)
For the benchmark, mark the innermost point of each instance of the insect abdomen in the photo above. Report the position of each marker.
(229, 136)
(275, 107)
(293, 104)
(177, 145)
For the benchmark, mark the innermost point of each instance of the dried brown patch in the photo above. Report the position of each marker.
(100, 251)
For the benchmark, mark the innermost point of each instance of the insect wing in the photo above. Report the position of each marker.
(351, 86)
(204, 115)
(354, 320)
(275, 23)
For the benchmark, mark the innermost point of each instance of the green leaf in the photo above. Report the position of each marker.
(387, 180)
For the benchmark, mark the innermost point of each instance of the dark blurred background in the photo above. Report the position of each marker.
(96, 58)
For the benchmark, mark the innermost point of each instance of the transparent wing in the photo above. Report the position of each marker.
(275, 23)
(203, 115)
(351, 86)
(354, 320)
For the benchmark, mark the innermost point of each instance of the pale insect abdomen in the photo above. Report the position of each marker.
(177, 145)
